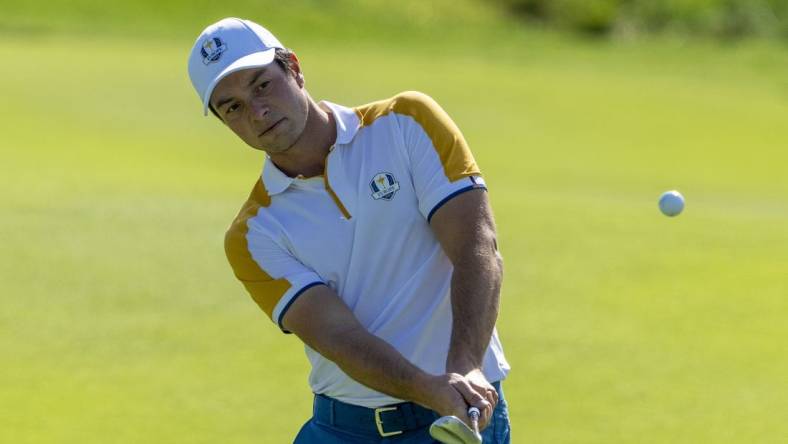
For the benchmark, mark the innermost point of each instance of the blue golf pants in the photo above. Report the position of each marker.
(319, 432)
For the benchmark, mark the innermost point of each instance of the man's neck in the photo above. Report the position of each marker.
(307, 156)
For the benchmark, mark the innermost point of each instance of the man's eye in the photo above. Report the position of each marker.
(262, 86)
(231, 108)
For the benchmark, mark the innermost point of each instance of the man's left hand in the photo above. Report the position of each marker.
(479, 383)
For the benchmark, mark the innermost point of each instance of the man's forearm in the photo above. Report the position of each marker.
(323, 321)
(375, 363)
(475, 289)
(466, 230)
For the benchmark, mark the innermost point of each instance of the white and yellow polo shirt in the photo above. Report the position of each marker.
(362, 228)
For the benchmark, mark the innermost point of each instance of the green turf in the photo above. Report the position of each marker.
(120, 320)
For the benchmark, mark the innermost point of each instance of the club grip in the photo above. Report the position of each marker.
(473, 413)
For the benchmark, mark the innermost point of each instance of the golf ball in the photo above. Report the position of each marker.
(671, 203)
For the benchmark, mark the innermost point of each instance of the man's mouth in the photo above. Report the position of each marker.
(271, 127)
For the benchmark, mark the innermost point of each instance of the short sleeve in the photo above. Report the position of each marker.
(273, 277)
(442, 165)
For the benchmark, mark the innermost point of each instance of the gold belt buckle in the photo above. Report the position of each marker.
(379, 422)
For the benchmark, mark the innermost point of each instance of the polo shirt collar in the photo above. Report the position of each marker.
(274, 179)
(348, 123)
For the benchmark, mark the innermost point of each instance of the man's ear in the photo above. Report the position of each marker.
(295, 68)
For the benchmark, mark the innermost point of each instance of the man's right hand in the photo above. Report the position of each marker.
(452, 394)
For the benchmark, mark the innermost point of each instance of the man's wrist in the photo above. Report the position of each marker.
(462, 365)
(464, 361)
(420, 389)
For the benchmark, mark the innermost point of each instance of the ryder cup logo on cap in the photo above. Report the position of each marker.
(212, 49)
(227, 46)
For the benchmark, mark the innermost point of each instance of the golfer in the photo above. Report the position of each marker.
(368, 235)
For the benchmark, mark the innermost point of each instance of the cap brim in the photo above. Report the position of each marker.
(255, 60)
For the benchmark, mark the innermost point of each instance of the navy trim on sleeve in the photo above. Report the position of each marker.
(451, 196)
(287, 307)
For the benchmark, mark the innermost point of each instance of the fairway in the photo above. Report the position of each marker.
(120, 320)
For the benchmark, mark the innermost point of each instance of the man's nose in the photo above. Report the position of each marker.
(259, 110)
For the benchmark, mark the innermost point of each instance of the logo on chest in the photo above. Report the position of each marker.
(384, 186)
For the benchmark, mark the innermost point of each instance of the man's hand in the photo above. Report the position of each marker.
(452, 394)
(480, 384)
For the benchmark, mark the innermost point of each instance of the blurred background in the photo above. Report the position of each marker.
(120, 320)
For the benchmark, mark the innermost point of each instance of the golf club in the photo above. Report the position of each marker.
(453, 430)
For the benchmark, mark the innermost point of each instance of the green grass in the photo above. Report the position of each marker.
(120, 320)
(342, 20)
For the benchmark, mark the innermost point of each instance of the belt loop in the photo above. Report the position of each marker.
(331, 414)
(408, 415)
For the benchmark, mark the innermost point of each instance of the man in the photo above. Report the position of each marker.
(368, 235)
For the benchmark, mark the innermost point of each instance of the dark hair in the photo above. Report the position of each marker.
(282, 57)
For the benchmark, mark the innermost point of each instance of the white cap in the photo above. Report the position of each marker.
(227, 46)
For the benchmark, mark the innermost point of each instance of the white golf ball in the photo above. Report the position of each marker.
(671, 203)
